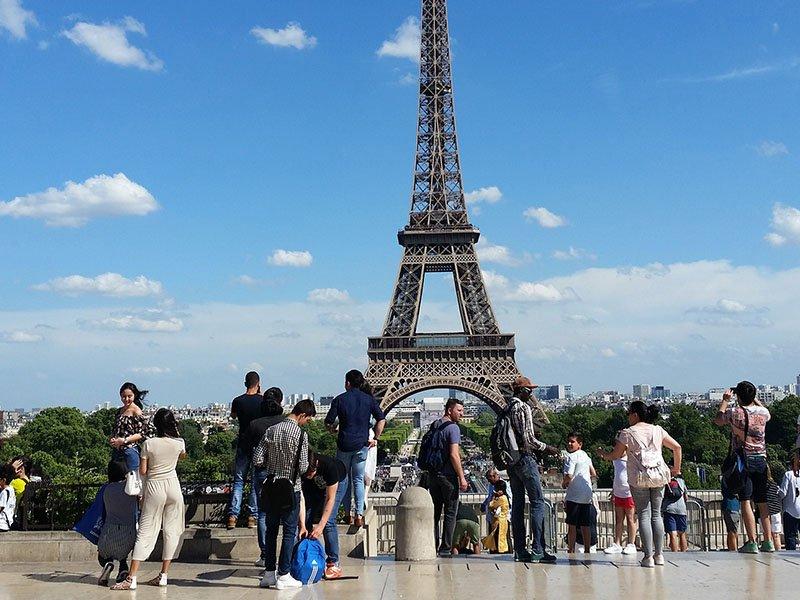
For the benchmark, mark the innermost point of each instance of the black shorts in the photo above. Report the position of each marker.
(754, 487)
(579, 515)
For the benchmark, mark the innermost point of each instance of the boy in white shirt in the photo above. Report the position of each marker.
(578, 474)
(8, 501)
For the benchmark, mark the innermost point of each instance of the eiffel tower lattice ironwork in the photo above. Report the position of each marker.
(440, 238)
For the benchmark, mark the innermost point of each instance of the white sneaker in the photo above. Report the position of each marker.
(658, 559)
(613, 549)
(648, 562)
(629, 549)
(593, 549)
(285, 582)
(259, 563)
(268, 579)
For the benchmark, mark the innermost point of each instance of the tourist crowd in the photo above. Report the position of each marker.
(297, 493)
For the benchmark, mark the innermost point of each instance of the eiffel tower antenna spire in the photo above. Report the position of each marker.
(440, 238)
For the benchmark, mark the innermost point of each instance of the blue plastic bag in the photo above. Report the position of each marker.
(92, 520)
(308, 561)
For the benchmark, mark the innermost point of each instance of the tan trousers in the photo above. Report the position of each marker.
(162, 506)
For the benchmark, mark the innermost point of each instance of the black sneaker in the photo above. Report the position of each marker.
(121, 576)
(548, 558)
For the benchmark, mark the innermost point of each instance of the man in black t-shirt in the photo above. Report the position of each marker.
(319, 517)
(244, 408)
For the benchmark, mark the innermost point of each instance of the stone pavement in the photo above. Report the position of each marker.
(689, 576)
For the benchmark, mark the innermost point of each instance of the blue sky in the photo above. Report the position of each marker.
(653, 145)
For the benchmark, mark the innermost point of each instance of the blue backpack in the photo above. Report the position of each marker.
(308, 561)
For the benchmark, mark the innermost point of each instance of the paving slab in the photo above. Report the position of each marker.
(689, 576)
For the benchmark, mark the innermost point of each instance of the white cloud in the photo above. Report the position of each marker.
(573, 254)
(408, 79)
(771, 148)
(607, 353)
(489, 195)
(152, 320)
(151, 370)
(785, 225)
(291, 36)
(731, 313)
(642, 314)
(15, 19)
(745, 72)
(328, 296)
(107, 284)
(19, 337)
(776, 27)
(494, 281)
(544, 217)
(539, 292)
(291, 258)
(580, 319)
(109, 42)
(494, 253)
(405, 43)
(77, 203)
(246, 280)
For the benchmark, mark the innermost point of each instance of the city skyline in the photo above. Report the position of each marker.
(235, 193)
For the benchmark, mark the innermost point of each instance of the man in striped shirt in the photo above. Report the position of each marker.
(283, 454)
(524, 476)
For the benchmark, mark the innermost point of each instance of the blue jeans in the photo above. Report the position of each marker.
(130, 456)
(355, 462)
(330, 533)
(289, 522)
(241, 467)
(524, 478)
(259, 475)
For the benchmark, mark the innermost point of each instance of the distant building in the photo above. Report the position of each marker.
(641, 390)
(791, 389)
(431, 409)
(767, 394)
(660, 392)
(293, 399)
(326, 400)
(715, 394)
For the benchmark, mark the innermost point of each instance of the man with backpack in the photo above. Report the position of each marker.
(523, 472)
(440, 457)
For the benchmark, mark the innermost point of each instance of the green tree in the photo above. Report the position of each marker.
(193, 438)
(102, 420)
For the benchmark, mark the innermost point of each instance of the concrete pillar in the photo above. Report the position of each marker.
(414, 526)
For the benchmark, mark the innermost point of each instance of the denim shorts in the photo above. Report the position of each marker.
(674, 523)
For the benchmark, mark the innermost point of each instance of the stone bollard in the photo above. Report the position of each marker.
(413, 526)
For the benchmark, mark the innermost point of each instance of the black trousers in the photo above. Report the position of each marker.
(444, 493)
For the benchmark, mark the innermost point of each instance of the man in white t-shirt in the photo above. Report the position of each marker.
(578, 474)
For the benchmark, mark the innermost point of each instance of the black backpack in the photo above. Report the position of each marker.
(673, 490)
(432, 451)
(503, 442)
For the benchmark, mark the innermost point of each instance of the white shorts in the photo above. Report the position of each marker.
(777, 523)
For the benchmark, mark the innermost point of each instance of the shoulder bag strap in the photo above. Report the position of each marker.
(297, 456)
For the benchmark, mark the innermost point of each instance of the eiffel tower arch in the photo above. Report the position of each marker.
(440, 238)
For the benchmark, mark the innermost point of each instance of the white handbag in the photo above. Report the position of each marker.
(133, 483)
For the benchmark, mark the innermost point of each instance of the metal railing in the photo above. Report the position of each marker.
(59, 506)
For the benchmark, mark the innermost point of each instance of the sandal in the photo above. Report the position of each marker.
(127, 584)
(159, 580)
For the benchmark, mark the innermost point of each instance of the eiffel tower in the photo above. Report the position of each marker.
(440, 238)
